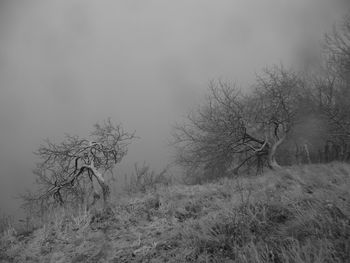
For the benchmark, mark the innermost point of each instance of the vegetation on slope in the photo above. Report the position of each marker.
(298, 214)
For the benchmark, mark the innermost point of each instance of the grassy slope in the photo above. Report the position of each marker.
(299, 214)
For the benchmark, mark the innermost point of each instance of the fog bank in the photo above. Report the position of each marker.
(65, 65)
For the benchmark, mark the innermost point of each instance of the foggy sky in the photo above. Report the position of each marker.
(65, 65)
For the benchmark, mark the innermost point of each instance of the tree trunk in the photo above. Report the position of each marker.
(307, 153)
(272, 154)
(101, 181)
(297, 154)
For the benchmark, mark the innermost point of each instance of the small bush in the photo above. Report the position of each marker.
(144, 179)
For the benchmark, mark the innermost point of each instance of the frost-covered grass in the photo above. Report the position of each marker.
(297, 214)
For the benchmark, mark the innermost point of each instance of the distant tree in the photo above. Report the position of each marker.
(232, 130)
(329, 92)
(337, 49)
(67, 167)
(334, 87)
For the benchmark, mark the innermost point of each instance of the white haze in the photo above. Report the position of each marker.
(66, 64)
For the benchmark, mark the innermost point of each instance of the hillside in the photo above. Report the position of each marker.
(298, 214)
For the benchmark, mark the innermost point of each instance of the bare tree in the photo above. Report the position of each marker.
(336, 87)
(329, 90)
(213, 133)
(337, 49)
(232, 130)
(275, 107)
(65, 166)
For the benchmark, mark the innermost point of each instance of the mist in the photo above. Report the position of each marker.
(65, 65)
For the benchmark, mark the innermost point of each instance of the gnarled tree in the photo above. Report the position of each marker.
(231, 130)
(65, 167)
(276, 107)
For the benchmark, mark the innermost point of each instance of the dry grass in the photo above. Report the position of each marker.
(298, 214)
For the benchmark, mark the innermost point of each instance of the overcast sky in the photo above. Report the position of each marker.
(67, 64)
